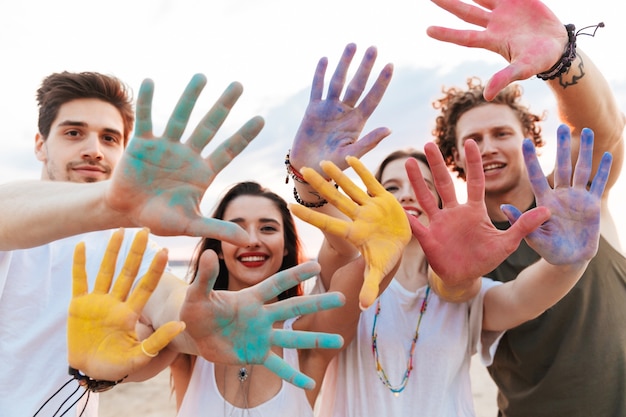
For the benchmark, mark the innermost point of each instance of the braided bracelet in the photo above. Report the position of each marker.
(569, 55)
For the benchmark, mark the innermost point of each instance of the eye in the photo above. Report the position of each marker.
(111, 139)
(73, 133)
(475, 138)
(392, 188)
(269, 229)
(503, 134)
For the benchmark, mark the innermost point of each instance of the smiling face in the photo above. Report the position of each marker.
(85, 143)
(395, 180)
(263, 256)
(498, 132)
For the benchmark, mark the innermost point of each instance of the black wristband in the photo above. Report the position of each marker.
(319, 204)
(93, 385)
(569, 55)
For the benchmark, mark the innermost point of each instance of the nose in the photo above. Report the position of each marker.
(92, 148)
(254, 240)
(487, 145)
(407, 195)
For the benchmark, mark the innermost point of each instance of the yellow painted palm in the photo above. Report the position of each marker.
(377, 225)
(102, 342)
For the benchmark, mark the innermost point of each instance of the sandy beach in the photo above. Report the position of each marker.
(153, 399)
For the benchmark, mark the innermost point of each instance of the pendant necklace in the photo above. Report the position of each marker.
(397, 389)
(243, 374)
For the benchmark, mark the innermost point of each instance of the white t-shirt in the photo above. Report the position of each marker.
(439, 384)
(203, 398)
(33, 322)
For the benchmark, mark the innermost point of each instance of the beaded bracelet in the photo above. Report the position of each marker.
(297, 176)
(318, 204)
(569, 55)
(292, 172)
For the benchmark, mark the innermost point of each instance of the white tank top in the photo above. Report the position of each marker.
(203, 398)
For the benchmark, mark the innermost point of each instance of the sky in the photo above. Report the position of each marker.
(271, 47)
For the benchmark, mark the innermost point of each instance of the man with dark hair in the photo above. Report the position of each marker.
(92, 184)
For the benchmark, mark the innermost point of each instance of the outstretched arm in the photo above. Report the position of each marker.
(236, 327)
(158, 184)
(572, 232)
(331, 126)
(102, 342)
(233, 327)
(566, 242)
(532, 39)
(377, 225)
(330, 130)
(460, 242)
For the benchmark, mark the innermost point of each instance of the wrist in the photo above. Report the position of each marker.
(303, 192)
(454, 293)
(91, 384)
(307, 196)
(564, 63)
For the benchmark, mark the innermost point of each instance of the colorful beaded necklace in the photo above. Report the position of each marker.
(409, 367)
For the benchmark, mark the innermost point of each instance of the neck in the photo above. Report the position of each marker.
(413, 271)
(521, 197)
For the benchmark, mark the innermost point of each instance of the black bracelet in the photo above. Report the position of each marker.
(320, 203)
(93, 385)
(569, 55)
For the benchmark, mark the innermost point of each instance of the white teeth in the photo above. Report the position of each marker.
(492, 166)
(252, 258)
(414, 213)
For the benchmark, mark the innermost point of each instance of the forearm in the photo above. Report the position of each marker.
(37, 212)
(535, 289)
(164, 306)
(335, 251)
(343, 320)
(585, 99)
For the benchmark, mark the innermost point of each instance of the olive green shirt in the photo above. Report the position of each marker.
(571, 360)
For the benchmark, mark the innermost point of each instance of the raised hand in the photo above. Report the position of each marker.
(572, 233)
(460, 242)
(102, 342)
(526, 33)
(236, 327)
(330, 128)
(160, 181)
(378, 225)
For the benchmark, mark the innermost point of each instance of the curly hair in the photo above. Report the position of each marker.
(455, 102)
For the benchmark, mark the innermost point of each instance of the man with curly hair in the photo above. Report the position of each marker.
(570, 361)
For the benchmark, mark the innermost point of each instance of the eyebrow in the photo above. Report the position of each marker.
(395, 180)
(262, 220)
(489, 129)
(83, 124)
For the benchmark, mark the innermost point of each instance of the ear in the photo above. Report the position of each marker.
(41, 152)
(285, 252)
